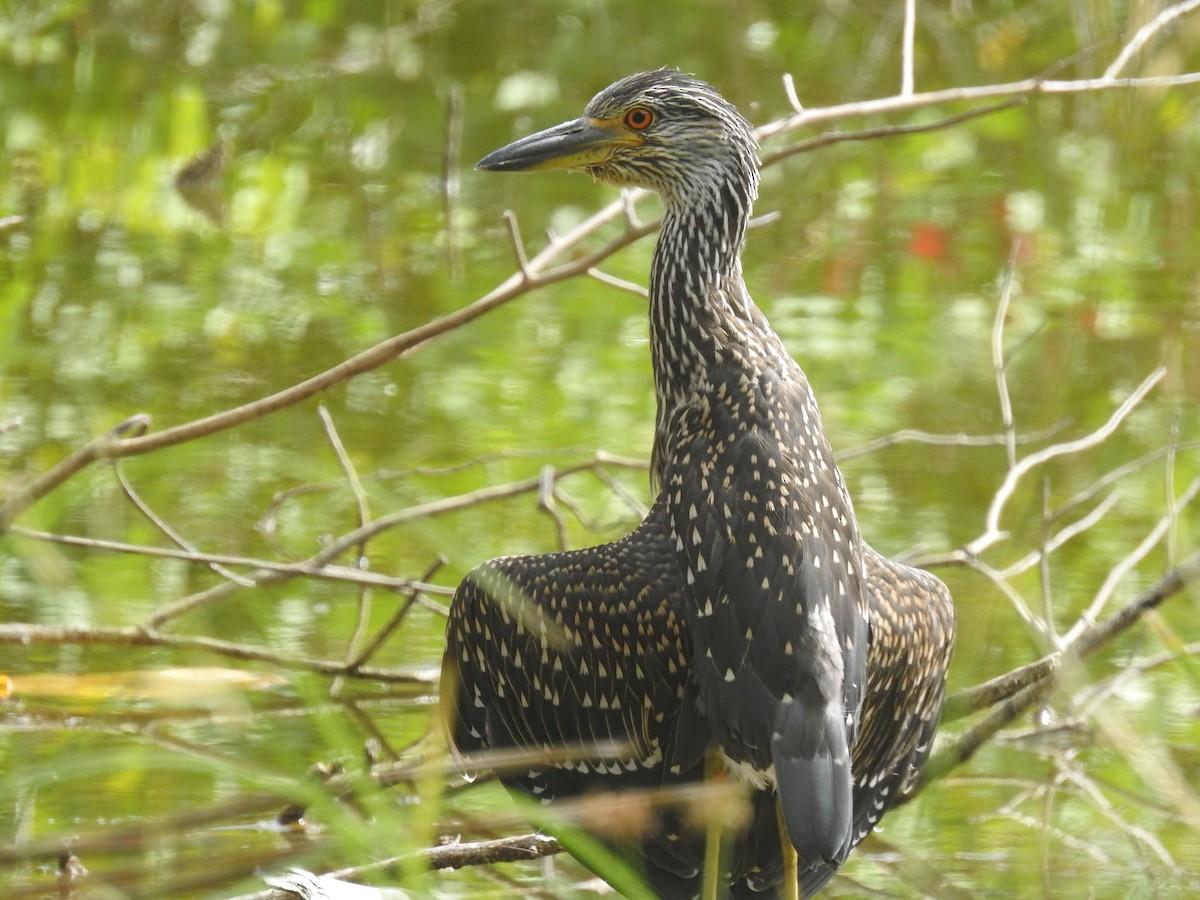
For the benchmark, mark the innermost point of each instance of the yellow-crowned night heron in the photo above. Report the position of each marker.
(745, 615)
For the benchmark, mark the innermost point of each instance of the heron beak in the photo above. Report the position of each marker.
(571, 145)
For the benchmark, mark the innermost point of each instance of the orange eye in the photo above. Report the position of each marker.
(639, 118)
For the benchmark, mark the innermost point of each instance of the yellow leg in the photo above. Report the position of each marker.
(711, 889)
(712, 861)
(791, 865)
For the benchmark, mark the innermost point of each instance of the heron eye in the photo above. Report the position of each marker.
(639, 118)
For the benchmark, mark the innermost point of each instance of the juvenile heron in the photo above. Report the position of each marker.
(744, 617)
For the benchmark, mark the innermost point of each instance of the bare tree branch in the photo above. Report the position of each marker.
(1145, 33)
(992, 534)
(30, 635)
(1017, 691)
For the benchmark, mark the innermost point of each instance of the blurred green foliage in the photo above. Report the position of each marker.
(348, 211)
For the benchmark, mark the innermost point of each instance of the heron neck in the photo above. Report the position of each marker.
(701, 314)
(696, 264)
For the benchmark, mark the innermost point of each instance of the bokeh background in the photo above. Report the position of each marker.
(347, 210)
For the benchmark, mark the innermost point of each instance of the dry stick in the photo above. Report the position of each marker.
(620, 284)
(175, 537)
(347, 467)
(804, 118)
(396, 620)
(26, 635)
(1004, 493)
(1086, 495)
(1146, 32)
(1021, 688)
(576, 509)
(1155, 765)
(601, 812)
(1036, 557)
(907, 83)
(1065, 838)
(884, 131)
(1089, 789)
(1004, 686)
(118, 837)
(98, 448)
(347, 541)
(1014, 596)
(448, 856)
(265, 522)
(363, 616)
(916, 436)
(1098, 693)
(1046, 791)
(1126, 565)
(328, 572)
(546, 504)
(151, 833)
(636, 506)
(999, 362)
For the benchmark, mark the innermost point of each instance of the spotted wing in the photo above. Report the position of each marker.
(585, 649)
(912, 637)
(771, 562)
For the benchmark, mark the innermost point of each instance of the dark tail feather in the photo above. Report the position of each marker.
(812, 771)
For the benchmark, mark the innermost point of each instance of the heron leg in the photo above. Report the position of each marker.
(711, 889)
(791, 865)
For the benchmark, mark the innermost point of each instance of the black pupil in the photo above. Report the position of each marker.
(639, 118)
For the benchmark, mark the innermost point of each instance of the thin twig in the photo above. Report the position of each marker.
(50, 635)
(1088, 788)
(175, 537)
(328, 572)
(452, 855)
(1061, 537)
(518, 246)
(363, 610)
(1126, 565)
(789, 90)
(267, 519)
(830, 138)
(395, 621)
(1030, 86)
(546, 504)
(1145, 33)
(1004, 493)
(1089, 493)
(1014, 596)
(1025, 687)
(336, 547)
(999, 362)
(906, 48)
(619, 283)
(913, 435)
